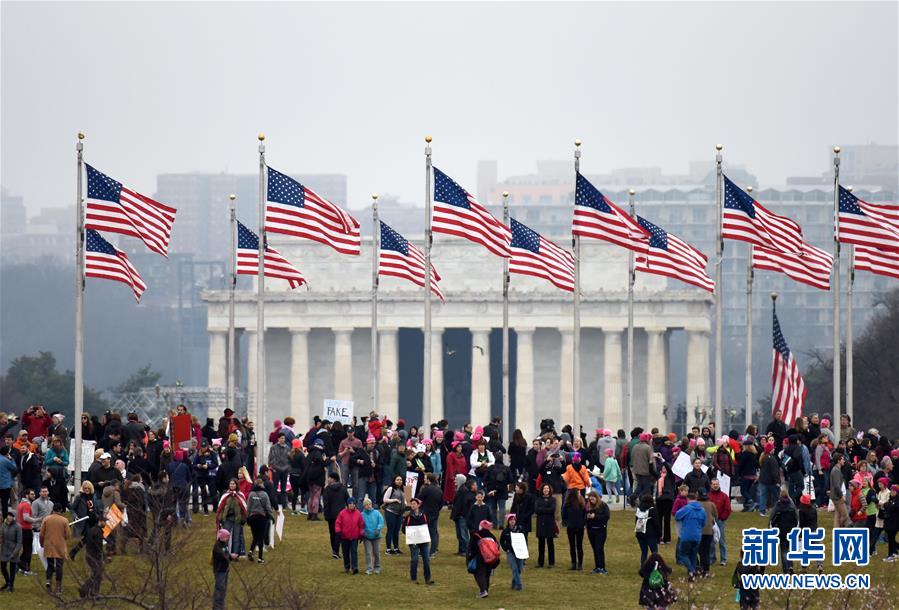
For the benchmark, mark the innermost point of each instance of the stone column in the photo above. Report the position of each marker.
(613, 416)
(436, 377)
(252, 402)
(566, 380)
(343, 364)
(524, 383)
(218, 358)
(656, 378)
(299, 378)
(480, 377)
(697, 371)
(388, 374)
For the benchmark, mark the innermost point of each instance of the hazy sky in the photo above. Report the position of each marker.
(353, 88)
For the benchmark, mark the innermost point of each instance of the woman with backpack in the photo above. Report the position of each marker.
(646, 527)
(482, 556)
(259, 510)
(656, 593)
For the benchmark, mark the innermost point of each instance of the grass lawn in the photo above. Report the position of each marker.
(304, 558)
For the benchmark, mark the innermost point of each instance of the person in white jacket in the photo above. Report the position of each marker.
(480, 461)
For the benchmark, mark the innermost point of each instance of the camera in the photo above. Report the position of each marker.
(547, 425)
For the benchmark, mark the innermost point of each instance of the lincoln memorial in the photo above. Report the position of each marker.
(318, 341)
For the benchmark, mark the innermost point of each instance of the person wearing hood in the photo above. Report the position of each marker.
(692, 519)
(420, 464)
(350, 528)
(315, 477)
(770, 477)
(136, 501)
(10, 549)
(221, 565)
(92, 543)
(335, 499)
(373, 522)
(431, 502)
(456, 464)
(297, 476)
(784, 518)
(259, 515)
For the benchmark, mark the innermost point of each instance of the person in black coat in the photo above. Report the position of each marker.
(784, 518)
(92, 543)
(478, 512)
(523, 507)
(462, 503)
(547, 529)
(531, 463)
(482, 568)
(597, 520)
(647, 527)
(335, 498)
(574, 516)
(431, 496)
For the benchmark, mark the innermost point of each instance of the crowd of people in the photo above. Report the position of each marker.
(376, 478)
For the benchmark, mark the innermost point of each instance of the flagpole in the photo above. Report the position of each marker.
(849, 381)
(259, 416)
(506, 327)
(750, 276)
(836, 290)
(426, 356)
(79, 314)
(719, 361)
(232, 286)
(375, 245)
(631, 278)
(576, 343)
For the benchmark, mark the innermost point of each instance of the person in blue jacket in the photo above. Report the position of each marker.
(373, 522)
(692, 520)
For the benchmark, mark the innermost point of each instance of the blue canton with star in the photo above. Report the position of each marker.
(658, 238)
(284, 189)
(447, 190)
(849, 203)
(96, 243)
(524, 238)
(736, 198)
(780, 344)
(101, 186)
(587, 195)
(391, 240)
(246, 239)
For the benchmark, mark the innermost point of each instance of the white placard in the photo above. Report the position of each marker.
(339, 410)
(279, 525)
(417, 534)
(682, 465)
(724, 481)
(519, 545)
(87, 455)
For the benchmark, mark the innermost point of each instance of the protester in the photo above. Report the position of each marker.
(230, 516)
(92, 543)
(516, 564)
(646, 527)
(350, 527)
(656, 591)
(10, 550)
(482, 556)
(722, 504)
(574, 517)
(394, 503)
(259, 514)
(784, 518)
(373, 524)
(335, 498)
(416, 518)
(547, 528)
(692, 518)
(24, 519)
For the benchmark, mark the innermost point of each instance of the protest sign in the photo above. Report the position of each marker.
(279, 525)
(339, 410)
(519, 545)
(114, 517)
(724, 481)
(181, 431)
(409, 489)
(87, 455)
(417, 534)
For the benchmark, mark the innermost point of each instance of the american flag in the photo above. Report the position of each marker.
(875, 260)
(532, 254)
(788, 389)
(116, 208)
(748, 220)
(596, 216)
(399, 258)
(868, 224)
(457, 213)
(810, 265)
(669, 255)
(105, 261)
(275, 265)
(293, 209)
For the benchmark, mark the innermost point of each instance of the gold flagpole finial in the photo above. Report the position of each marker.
(232, 196)
(632, 192)
(836, 149)
(773, 296)
(428, 139)
(261, 137)
(719, 147)
(374, 196)
(577, 142)
(80, 135)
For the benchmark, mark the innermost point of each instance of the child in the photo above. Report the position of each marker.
(749, 598)
(350, 526)
(656, 592)
(808, 517)
(611, 474)
(505, 542)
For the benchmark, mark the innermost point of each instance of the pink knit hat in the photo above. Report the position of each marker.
(484, 525)
(645, 437)
(609, 452)
(222, 534)
(371, 439)
(459, 436)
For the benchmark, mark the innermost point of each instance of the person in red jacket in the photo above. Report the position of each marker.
(350, 527)
(36, 421)
(721, 501)
(857, 503)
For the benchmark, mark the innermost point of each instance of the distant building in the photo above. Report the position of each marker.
(12, 214)
(685, 205)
